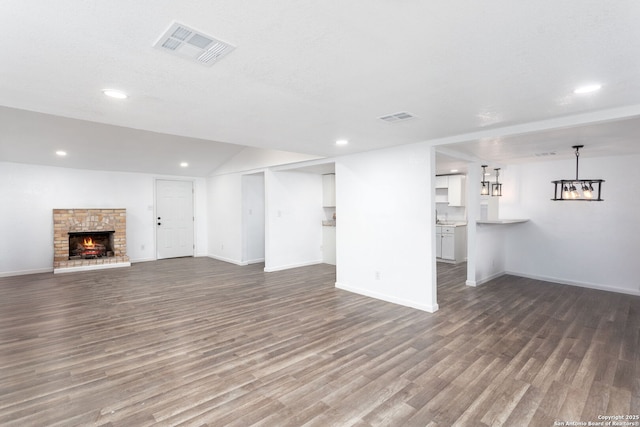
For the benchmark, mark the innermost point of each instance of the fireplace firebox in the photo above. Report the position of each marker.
(90, 244)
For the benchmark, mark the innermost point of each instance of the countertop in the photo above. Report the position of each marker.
(451, 224)
(501, 221)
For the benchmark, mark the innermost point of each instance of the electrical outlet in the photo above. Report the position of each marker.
(142, 247)
(377, 275)
(222, 247)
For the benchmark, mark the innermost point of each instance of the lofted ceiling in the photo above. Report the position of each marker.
(490, 81)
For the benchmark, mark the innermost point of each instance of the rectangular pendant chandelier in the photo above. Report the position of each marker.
(586, 190)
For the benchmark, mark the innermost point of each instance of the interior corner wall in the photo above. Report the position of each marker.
(225, 217)
(590, 244)
(253, 214)
(490, 254)
(385, 225)
(29, 193)
(293, 219)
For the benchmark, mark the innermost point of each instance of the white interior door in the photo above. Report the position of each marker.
(174, 218)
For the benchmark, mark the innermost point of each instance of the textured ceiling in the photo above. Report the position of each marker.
(306, 73)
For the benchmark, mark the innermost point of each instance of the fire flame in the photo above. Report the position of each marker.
(88, 242)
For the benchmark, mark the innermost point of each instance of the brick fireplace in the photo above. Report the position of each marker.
(68, 224)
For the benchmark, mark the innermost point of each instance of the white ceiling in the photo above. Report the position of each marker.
(490, 80)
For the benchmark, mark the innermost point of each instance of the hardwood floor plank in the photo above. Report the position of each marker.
(200, 342)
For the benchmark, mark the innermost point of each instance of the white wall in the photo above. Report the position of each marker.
(294, 217)
(592, 244)
(490, 256)
(251, 158)
(224, 197)
(29, 193)
(253, 211)
(385, 227)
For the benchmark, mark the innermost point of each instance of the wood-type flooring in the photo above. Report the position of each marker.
(200, 342)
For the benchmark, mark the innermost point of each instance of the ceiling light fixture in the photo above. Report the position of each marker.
(454, 170)
(113, 93)
(496, 189)
(342, 142)
(61, 153)
(485, 184)
(587, 89)
(565, 189)
(184, 164)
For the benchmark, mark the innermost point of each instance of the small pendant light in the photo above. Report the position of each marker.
(485, 184)
(496, 189)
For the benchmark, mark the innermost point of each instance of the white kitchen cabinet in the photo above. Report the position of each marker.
(329, 190)
(448, 246)
(329, 245)
(456, 193)
(450, 190)
(442, 181)
(451, 243)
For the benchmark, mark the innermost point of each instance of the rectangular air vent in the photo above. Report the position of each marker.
(397, 117)
(193, 45)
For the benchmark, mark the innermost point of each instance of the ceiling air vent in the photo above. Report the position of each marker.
(196, 46)
(397, 117)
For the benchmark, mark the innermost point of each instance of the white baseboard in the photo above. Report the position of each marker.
(255, 261)
(388, 298)
(287, 267)
(229, 260)
(25, 272)
(574, 283)
(143, 260)
(484, 280)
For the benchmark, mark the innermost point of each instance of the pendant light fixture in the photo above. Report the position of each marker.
(485, 184)
(496, 189)
(567, 189)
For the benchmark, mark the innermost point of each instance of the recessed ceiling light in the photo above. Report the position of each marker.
(61, 153)
(587, 88)
(184, 164)
(113, 93)
(342, 142)
(454, 170)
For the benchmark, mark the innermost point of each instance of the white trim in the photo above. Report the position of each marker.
(229, 260)
(26, 272)
(142, 260)
(486, 279)
(407, 303)
(90, 267)
(579, 284)
(255, 261)
(287, 267)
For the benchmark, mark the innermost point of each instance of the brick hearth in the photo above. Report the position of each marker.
(67, 221)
